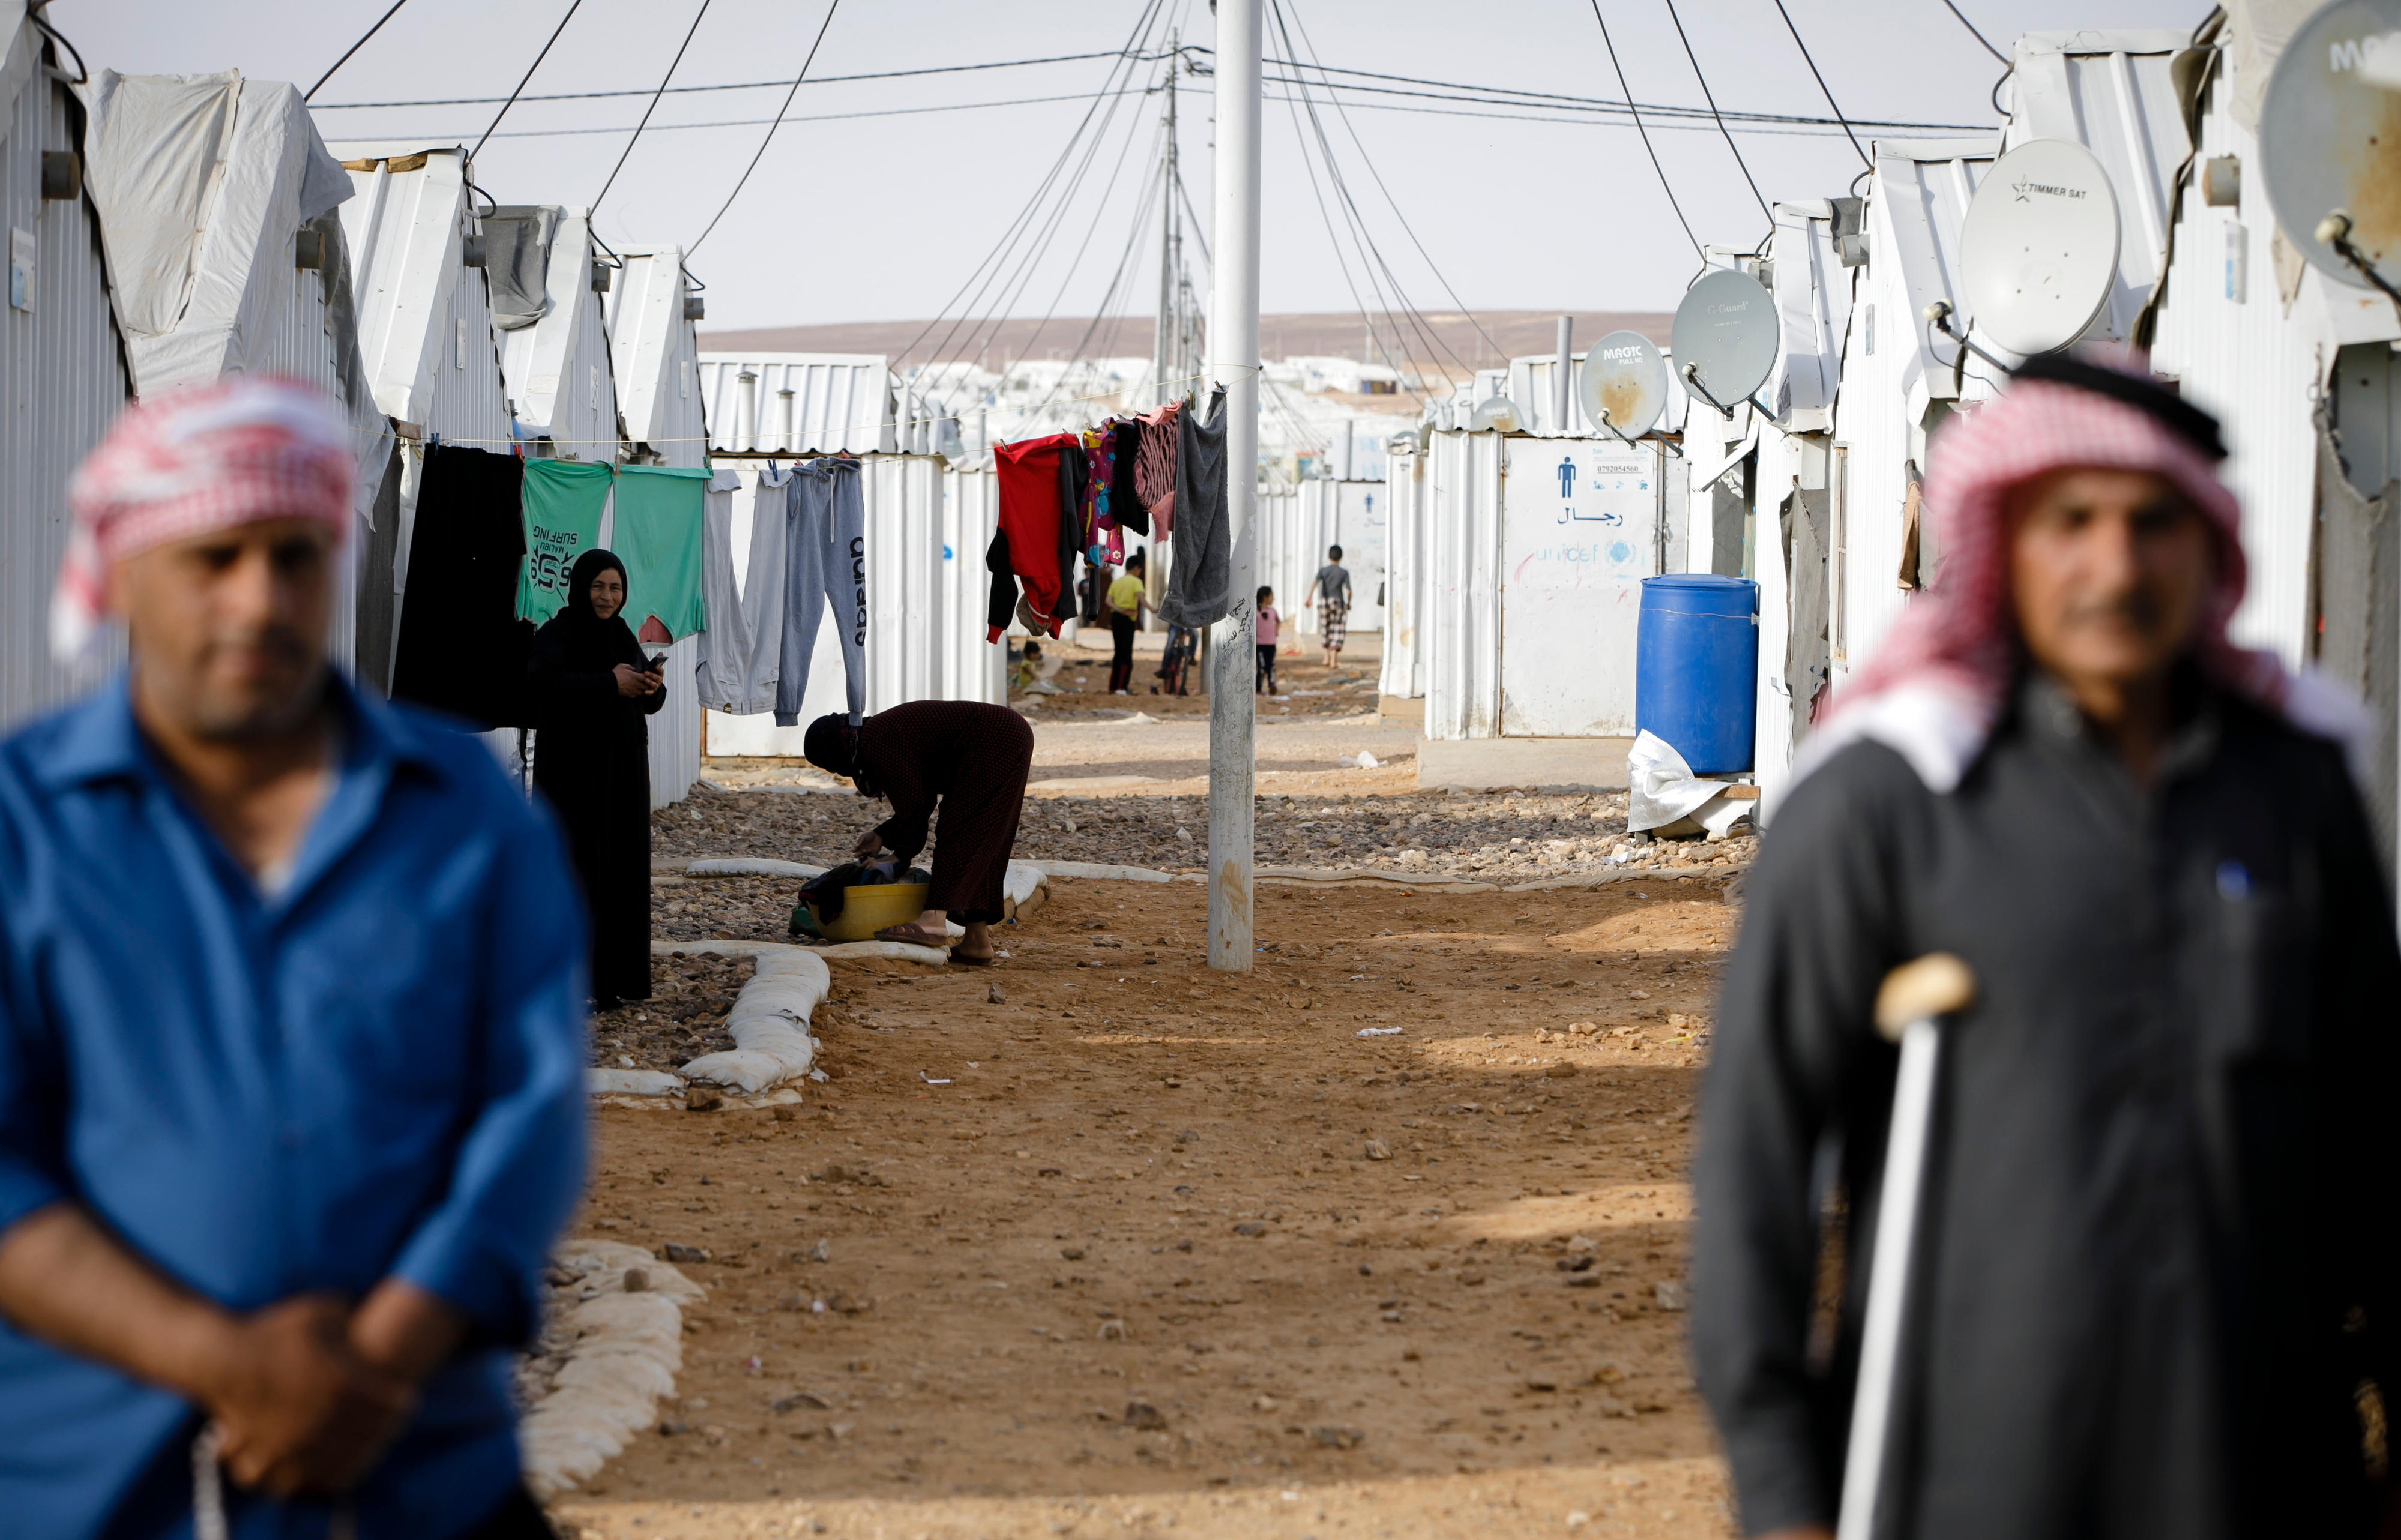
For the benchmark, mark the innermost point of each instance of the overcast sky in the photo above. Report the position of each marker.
(884, 216)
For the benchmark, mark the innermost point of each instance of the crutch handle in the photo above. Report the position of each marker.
(1935, 985)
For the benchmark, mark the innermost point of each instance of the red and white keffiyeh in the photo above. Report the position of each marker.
(1938, 681)
(189, 463)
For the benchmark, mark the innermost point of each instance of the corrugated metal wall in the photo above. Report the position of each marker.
(65, 381)
(840, 402)
(972, 669)
(1404, 672)
(1459, 637)
(2226, 338)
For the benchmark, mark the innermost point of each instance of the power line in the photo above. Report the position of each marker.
(1973, 33)
(1389, 201)
(572, 6)
(354, 47)
(1646, 147)
(831, 7)
(1712, 100)
(652, 108)
(1820, 78)
(680, 90)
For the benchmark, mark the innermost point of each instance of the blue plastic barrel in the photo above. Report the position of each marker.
(1696, 668)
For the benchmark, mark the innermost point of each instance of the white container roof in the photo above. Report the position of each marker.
(406, 229)
(648, 337)
(840, 402)
(1813, 306)
(1920, 194)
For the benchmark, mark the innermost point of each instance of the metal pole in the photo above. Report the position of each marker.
(1163, 340)
(1560, 397)
(1234, 364)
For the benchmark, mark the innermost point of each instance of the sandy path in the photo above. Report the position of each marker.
(1137, 1266)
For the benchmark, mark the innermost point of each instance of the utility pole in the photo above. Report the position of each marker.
(1162, 337)
(1234, 364)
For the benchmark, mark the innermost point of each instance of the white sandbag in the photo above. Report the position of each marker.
(631, 1082)
(747, 1072)
(1097, 869)
(750, 866)
(898, 951)
(791, 998)
(1020, 881)
(794, 963)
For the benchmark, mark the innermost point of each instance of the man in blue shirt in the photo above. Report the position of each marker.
(290, 1046)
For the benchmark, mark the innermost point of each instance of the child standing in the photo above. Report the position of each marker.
(1266, 637)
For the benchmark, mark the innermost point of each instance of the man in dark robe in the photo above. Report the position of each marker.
(592, 693)
(2155, 1290)
(971, 758)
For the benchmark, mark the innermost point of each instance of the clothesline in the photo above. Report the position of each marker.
(886, 422)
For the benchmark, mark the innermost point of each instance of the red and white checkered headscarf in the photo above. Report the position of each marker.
(1938, 681)
(192, 462)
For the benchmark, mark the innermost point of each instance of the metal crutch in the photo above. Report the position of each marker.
(1909, 1007)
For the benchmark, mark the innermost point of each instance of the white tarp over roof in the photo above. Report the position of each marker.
(656, 355)
(1813, 307)
(1920, 196)
(203, 184)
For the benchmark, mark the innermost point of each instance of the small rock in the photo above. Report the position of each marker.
(1183, 836)
(785, 1115)
(993, 996)
(1073, 1253)
(1334, 1437)
(678, 1252)
(1578, 1519)
(701, 1099)
(1379, 1150)
(673, 1427)
(1250, 1227)
(1264, 1403)
(1112, 1331)
(1143, 1415)
(1670, 1295)
(822, 1252)
(798, 1401)
(636, 1280)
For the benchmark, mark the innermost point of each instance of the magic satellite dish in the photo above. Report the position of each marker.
(2326, 139)
(1624, 386)
(2038, 248)
(1494, 412)
(1726, 335)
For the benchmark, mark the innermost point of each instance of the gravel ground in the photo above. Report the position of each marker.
(1508, 837)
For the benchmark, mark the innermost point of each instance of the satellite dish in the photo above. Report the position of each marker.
(1726, 335)
(1624, 386)
(2038, 248)
(1495, 413)
(2326, 141)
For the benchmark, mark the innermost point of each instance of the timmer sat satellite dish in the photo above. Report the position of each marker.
(1494, 412)
(2329, 142)
(2038, 248)
(1725, 337)
(1624, 388)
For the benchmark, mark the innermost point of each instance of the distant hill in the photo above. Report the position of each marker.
(1511, 333)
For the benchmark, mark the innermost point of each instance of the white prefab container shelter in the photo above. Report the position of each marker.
(926, 527)
(802, 404)
(2299, 371)
(547, 278)
(1404, 569)
(1536, 553)
(425, 334)
(655, 358)
(1355, 515)
(60, 360)
(1896, 386)
(218, 206)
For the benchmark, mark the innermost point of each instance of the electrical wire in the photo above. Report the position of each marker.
(1973, 33)
(730, 85)
(34, 14)
(1822, 81)
(831, 7)
(354, 47)
(572, 6)
(1647, 146)
(1731, 148)
(1389, 201)
(1009, 236)
(645, 123)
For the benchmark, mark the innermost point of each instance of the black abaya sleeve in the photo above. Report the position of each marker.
(899, 777)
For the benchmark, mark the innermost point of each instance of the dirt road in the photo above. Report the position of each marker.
(1101, 1242)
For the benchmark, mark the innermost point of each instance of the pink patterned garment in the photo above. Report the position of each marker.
(190, 463)
(1154, 469)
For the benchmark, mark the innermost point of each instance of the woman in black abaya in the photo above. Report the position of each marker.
(592, 690)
